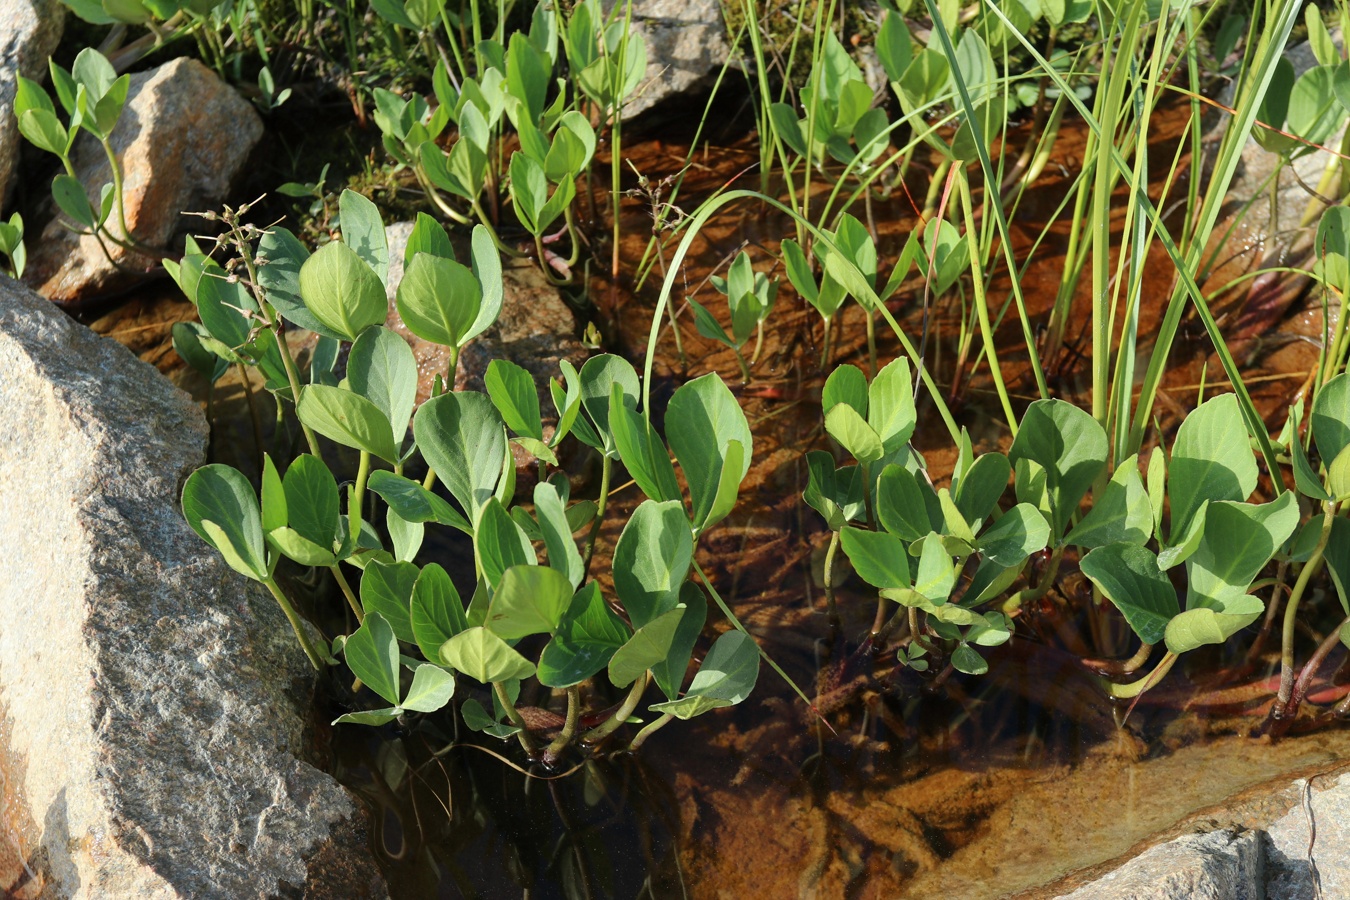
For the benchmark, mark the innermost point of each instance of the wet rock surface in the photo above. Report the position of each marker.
(29, 32)
(155, 701)
(181, 140)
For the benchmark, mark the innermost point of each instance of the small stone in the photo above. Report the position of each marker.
(29, 32)
(157, 702)
(182, 138)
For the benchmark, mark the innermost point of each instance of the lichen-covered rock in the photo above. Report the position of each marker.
(156, 702)
(183, 137)
(686, 43)
(29, 32)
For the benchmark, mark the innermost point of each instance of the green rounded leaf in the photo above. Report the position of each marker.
(585, 641)
(387, 589)
(528, 600)
(341, 291)
(219, 504)
(1070, 446)
(702, 421)
(652, 559)
(347, 418)
(1128, 574)
(1211, 460)
(483, 656)
(381, 368)
(439, 300)
(372, 653)
(436, 611)
(648, 646)
(463, 438)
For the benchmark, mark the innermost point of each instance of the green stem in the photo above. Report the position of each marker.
(358, 494)
(606, 467)
(117, 189)
(831, 609)
(647, 731)
(740, 361)
(1310, 568)
(621, 715)
(514, 717)
(294, 619)
(347, 592)
(1135, 688)
(569, 729)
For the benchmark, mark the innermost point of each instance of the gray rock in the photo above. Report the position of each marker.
(182, 139)
(29, 32)
(535, 330)
(686, 43)
(156, 702)
(1310, 844)
(1220, 865)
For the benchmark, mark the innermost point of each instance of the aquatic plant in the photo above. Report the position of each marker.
(465, 440)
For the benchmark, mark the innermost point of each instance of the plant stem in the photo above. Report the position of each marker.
(610, 725)
(294, 619)
(1291, 611)
(355, 604)
(831, 609)
(117, 189)
(606, 467)
(740, 361)
(1135, 688)
(569, 729)
(514, 717)
(647, 731)
(358, 493)
(252, 413)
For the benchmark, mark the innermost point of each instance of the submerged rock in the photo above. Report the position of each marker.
(182, 139)
(686, 44)
(29, 32)
(156, 702)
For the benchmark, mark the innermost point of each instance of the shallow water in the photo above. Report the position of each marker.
(986, 786)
